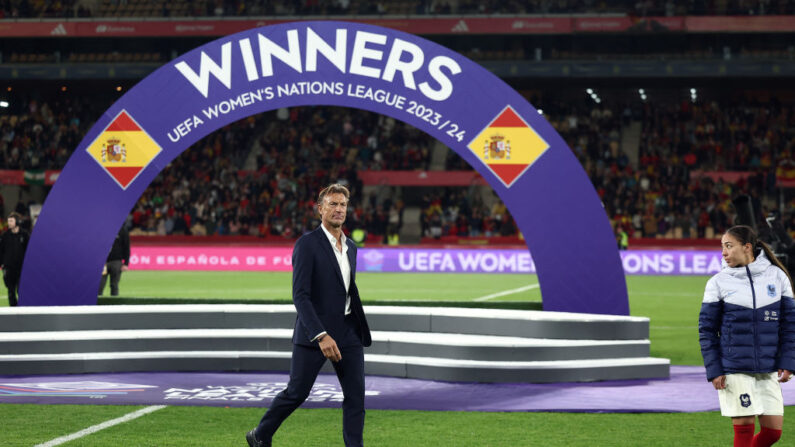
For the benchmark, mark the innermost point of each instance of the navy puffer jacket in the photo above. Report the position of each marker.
(747, 320)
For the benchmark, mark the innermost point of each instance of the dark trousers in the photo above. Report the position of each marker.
(11, 280)
(304, 367)
(114, 271)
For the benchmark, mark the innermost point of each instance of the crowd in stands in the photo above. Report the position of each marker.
(205, 191)
(209, 189)
(660, 195)
(214, 8)
(42, 135)
(514, 53)
(220, 186)
(464, 213)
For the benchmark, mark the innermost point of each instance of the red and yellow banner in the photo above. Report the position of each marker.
(124, 149)
(508, 146)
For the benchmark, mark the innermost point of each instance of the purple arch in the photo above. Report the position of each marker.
(341, 64)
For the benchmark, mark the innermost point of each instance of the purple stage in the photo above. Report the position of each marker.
(686, 391)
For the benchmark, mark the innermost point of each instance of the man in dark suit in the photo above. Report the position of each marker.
(330, 324)
(117, 262)
(13, 244)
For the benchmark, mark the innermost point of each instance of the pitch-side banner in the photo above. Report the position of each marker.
(424, 25)
(354, 65)
(415, 260)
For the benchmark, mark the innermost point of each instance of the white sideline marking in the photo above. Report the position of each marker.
(102, 426)
(507, 292)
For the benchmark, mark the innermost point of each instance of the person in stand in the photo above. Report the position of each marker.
(622, 238)
(117, 262)
(13, 243)
(330, 324)
(747, 336)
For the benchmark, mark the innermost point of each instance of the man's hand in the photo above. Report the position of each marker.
(784, 375)
(719, 382)
(329, 348)
(124, 268)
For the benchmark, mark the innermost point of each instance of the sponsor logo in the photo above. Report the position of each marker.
(601, 24)
(771, 315)
(508, 146)
(255, 392)
(194, 28)
(114, 29)
(460, 27)
(745, 400)
(123, 149)
(69, 389)
(373, 260)
(59, 30)
(523, 24)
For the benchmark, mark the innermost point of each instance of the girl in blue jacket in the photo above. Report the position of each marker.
(747, 335)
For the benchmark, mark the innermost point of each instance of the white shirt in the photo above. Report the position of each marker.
(343, 262)
(345, 268)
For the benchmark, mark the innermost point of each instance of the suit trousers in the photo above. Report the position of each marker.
(11, 280)
(304, 368)
(114, 271)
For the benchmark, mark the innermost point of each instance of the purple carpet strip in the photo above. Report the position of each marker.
(686, 391)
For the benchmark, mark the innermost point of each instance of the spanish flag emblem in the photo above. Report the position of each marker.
(508, 146)
(124, 149)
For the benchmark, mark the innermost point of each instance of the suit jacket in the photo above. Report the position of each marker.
(319, 292)
(121, 247)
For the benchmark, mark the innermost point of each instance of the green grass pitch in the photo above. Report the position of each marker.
(29, 425)
(671, 303)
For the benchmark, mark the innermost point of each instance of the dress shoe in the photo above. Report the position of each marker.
(254, 442)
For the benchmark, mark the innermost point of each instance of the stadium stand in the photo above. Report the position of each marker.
(518, 52)
(210, 8)
(210, 189)
(663, 193)
(42, 135)
(667, 167)
(207, 190)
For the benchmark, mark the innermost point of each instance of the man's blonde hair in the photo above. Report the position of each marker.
(335, 188)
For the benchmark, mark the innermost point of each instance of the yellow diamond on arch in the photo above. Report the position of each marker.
(508, 146)
(123, 149)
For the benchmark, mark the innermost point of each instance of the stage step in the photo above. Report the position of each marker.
(455, 344)
(414, 344)
(428, 368)
(509, 323)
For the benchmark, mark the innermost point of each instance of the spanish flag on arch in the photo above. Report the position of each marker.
(508, 146)
(124, 149)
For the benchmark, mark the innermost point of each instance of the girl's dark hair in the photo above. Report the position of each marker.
(746, 235)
